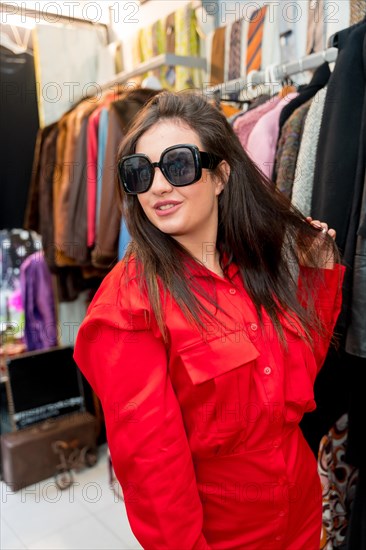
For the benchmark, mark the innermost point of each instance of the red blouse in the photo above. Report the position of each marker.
(204, 436)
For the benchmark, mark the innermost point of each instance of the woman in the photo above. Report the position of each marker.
(203, 344)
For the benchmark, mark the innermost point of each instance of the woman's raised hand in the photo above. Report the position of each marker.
(319, 248)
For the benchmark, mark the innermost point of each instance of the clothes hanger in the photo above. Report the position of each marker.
(7, 43)
(238, 101)
(18, 45)
(338, 39)
(151, 82)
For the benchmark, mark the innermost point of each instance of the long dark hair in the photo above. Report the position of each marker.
(258, 228)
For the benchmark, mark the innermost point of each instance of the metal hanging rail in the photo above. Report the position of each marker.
(306, 63)
(278, 72)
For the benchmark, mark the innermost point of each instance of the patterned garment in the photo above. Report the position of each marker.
(235, 50)
(158, 46)
(16, 245)
(357, 11)
(315, 41)
(302, 190)
(177, 34)
(339, 481)
(146, 45)
(217, 75)
(168, 26)
(186, 43)
(136, 50)
(255, 35)
(153, 44)
(288, 149)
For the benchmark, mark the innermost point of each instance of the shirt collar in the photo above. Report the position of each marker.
(195, 269)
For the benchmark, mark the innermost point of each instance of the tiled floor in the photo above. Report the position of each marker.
(87, 516)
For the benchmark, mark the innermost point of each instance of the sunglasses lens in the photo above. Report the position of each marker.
(179, 166)
(136, 174)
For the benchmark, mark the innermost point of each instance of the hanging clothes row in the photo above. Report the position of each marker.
(265, 33)
(72, 201)
(311, 143)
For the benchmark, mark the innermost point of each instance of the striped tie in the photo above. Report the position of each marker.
(255, 35)
(218, 56)
(235, 51)
(316, 27)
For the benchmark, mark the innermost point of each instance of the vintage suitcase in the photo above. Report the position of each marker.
(46, 384)
(51, 448)
(43, 384)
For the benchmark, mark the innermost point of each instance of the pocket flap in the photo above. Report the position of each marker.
(206, 360)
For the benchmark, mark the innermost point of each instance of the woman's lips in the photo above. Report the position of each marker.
(167, 209)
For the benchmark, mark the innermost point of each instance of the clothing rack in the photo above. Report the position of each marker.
(275, 73)
(168, 59)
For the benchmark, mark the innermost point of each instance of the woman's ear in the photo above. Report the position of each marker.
(223, 176)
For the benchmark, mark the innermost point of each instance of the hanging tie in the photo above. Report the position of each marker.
(358, 11)
(235, 50)
(170, 47)
(315, 34)
(255, 35)
(218, 56)
(155, 46)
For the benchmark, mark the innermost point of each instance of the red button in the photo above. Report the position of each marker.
(253, 326)
(267, 370)
(232, 291)
(282, 513)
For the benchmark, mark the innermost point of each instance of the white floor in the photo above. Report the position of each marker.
(87, 516)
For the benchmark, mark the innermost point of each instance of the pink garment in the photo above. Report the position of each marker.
(262, 142)
(92, 161)
(244, 124)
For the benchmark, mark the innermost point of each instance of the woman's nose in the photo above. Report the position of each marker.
(160, 183)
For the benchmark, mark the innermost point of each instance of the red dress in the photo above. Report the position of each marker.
(204, 436)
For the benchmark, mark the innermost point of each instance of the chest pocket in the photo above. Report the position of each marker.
(221, 371)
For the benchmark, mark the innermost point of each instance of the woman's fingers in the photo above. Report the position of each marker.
(332, 233)
(322, 226)
(317, 254)
(317, 223)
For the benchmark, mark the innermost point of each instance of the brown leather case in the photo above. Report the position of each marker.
(29, 456)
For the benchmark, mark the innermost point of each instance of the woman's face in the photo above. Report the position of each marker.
(191, 213)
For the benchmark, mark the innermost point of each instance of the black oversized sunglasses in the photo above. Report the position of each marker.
(181, 165)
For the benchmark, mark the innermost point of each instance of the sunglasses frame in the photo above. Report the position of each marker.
(201, 160)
